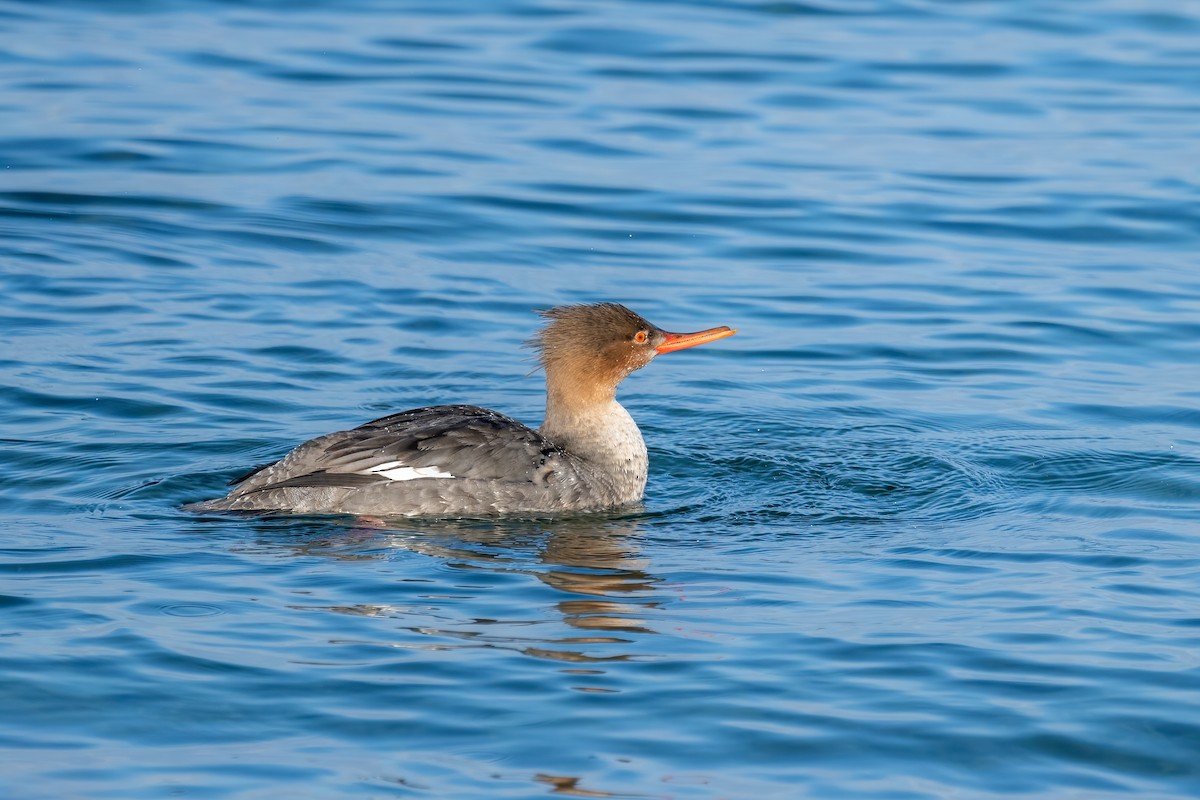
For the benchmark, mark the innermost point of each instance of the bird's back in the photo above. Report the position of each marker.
(456, 461)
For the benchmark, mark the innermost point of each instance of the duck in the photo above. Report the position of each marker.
(465, 461)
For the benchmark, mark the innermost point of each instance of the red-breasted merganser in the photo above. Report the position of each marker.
(466, 461)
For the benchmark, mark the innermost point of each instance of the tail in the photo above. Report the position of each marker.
(206, 506)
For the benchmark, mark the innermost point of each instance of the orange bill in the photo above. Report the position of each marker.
(678, 341)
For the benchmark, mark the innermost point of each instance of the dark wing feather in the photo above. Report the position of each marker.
(341, 479)
(466, 442)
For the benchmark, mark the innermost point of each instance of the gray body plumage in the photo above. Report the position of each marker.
(498, 466)
(467, 461)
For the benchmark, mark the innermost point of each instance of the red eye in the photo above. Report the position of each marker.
(640, 337)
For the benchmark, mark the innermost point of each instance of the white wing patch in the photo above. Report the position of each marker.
(396, 471)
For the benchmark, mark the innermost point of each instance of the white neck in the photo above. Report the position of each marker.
(606, 438)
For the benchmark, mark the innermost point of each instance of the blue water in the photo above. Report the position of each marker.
(926, 528)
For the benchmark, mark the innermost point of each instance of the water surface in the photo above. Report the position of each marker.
(925, 528)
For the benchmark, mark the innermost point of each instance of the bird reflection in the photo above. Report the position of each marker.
(595, 561)
(568, 785)
(608, 592)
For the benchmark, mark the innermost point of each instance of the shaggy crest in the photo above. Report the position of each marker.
(573, 328)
